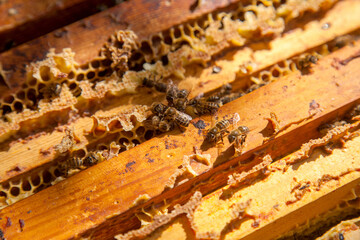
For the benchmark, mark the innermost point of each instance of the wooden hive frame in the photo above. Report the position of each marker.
(116, 196)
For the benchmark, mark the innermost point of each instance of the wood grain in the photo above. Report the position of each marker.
(21, 21)
(85, 37)
(99, 198)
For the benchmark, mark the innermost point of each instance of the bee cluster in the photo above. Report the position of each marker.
(209, 105)
(236, 136)
(165, 118)
(179, 108)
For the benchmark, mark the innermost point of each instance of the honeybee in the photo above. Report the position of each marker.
(255, 86)
(239, 136)
(202, 107)
(51, 91)
(165, 126)
(176, 97)
(180, 104)
(71, 163)
(239, 133)
(230, 98)
(180, 118)
(225, 90)
(159, 86)
(147, 82)
(306, 61)
(158, 108)
(155, 121)
(217, 132)
(90, 160)
(162, 125)
(171, 94)
(183, 93)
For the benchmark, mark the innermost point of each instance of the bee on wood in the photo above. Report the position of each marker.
(217, 132)
(90, 160)
(51, 91)
(213, 98)
(224, 91)
(180, 118)
(238, 136)
(306, 61)
(202, 107)
(342, 41)
(177, 98)
(230, 98)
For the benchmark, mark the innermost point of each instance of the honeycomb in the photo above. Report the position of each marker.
(250, 82)
(58, 90)
(241, 208)
(241, 23)
(160, 220)
(126, 130)
(20, 188)
(110, 134)
(342, 229)
(256, 19)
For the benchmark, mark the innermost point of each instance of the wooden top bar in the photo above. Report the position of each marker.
(21, 21)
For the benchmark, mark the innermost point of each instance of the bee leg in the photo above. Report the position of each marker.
(222, 138)
(66, 171)
(237, 147)
(182, 129)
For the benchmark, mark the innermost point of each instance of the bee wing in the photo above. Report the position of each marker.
(235, 120)
(199, 96)
(187, 116)
(170, 83)
(148, 124)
